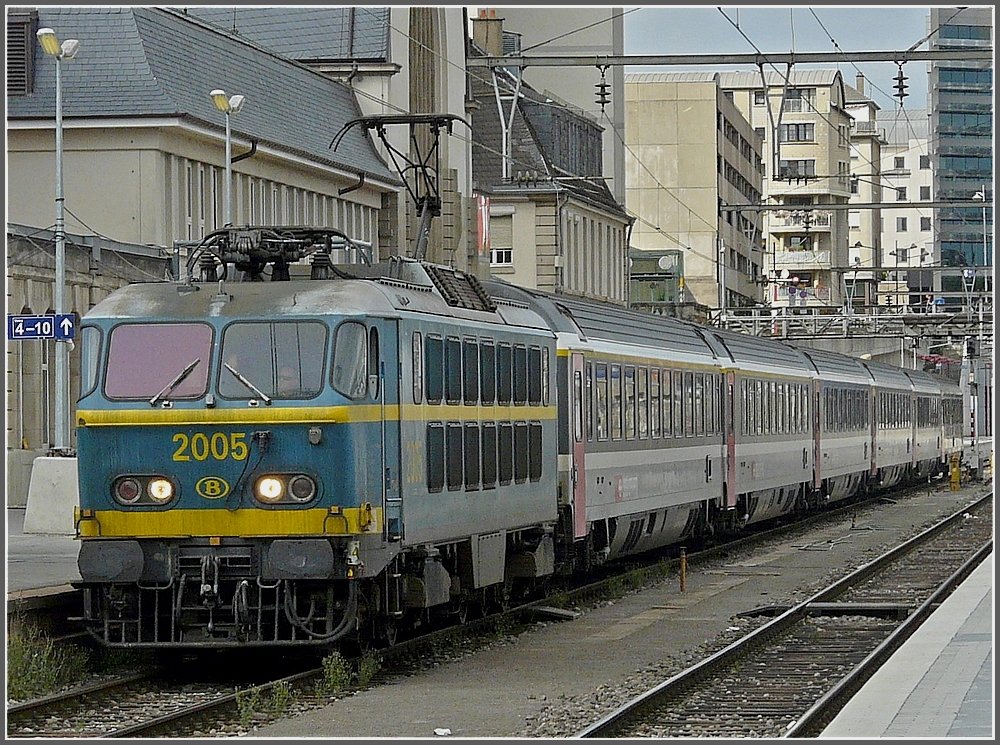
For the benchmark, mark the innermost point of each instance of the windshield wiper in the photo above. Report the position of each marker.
(169, 387)
(263, 396)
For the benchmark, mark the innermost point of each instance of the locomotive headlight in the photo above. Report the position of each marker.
(302, 488)
(269, 489)
(127, 491)
(160, 490)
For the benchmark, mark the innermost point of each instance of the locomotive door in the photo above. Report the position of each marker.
(385, 392)
(578, 444)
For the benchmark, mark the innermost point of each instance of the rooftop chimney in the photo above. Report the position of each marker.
(487, 32)
(859, 83)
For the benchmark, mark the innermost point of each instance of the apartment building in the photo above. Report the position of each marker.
(865, 249)
(908, 233)
(678, 126)
(805, 127)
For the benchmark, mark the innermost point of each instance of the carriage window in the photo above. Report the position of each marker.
(654, 403)
(285, 360)
(470, 351)
(435, 456)
(489, 455)
(418, 368)
(699, 404)
(520, 374)
(520, 452)
(678, 397)
(688, 404)
(535, 376)
(616, 402)
(710, 404)
(589, 399)
(488, 372)
(601, 402)
(454, 446)
(545, 377)
(434, 369)
(471, 456)
(577, 405)
(759, 407)
(90, 357)
(504, 365)
(535, 451)
(505, 450)
(630, 403)
(642, 401)
(452, 370)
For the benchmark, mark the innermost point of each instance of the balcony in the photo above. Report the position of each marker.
(864, 128)
(794, 221)
(807, 259)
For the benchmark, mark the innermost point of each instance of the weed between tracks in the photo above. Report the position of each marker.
(37, 666)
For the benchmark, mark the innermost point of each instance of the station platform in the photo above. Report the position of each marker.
(38, 563)
(939, 683)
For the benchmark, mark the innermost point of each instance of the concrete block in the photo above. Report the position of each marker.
(19, 474)
(53, 493)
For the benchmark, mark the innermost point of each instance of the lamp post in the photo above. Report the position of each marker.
(59, 51)
(228, 105)
(980, 196)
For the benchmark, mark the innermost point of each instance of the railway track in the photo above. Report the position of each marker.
(789, 677)
(144, 706)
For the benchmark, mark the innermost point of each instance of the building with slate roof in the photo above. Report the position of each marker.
(554, 224)
(396, 60)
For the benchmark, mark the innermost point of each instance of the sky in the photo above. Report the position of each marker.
(792, 27)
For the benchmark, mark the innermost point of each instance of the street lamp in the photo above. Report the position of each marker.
(227, 105)
(980, 196)
(59, 51)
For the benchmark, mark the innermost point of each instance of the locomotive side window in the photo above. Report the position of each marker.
(601, 402)
(520, 452)
(654, 403)
(434, 369)
(418, 368)
(504, 372)
(452, 370)
(350, 361)
(453, 443)
(630, 403)
(535, 376)
(616, 402)
(488, 372)
(90, 357)
(535, 451)
(470, 365)
(642, 400)
(520, 374)
(374, 363)
(435, 456)
(489, 455)
(505, 452)
(471, 456)
(136, 366)
(545, 377)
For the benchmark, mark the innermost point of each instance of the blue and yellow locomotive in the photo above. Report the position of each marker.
(268, 463)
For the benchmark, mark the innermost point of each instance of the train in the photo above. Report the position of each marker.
(366, 448)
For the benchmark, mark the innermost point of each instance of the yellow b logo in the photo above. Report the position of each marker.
(212, 487)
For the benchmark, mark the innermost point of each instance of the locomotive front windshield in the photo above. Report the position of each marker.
(281, 359)
(147, 360)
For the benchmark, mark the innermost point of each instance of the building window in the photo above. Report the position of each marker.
(758, 98)
(796, 168)
(899, 163)
(900, 193)
(925, 193)
(796, 132)
(925, 162)
(501, 240)
(925, 223)
(761, 132)
(900, 224)
(854, 186)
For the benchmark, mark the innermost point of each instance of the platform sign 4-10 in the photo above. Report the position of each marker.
(51, 326)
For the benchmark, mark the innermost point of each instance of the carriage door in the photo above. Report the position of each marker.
(729, 407)
(384, 392)
(578, 385)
